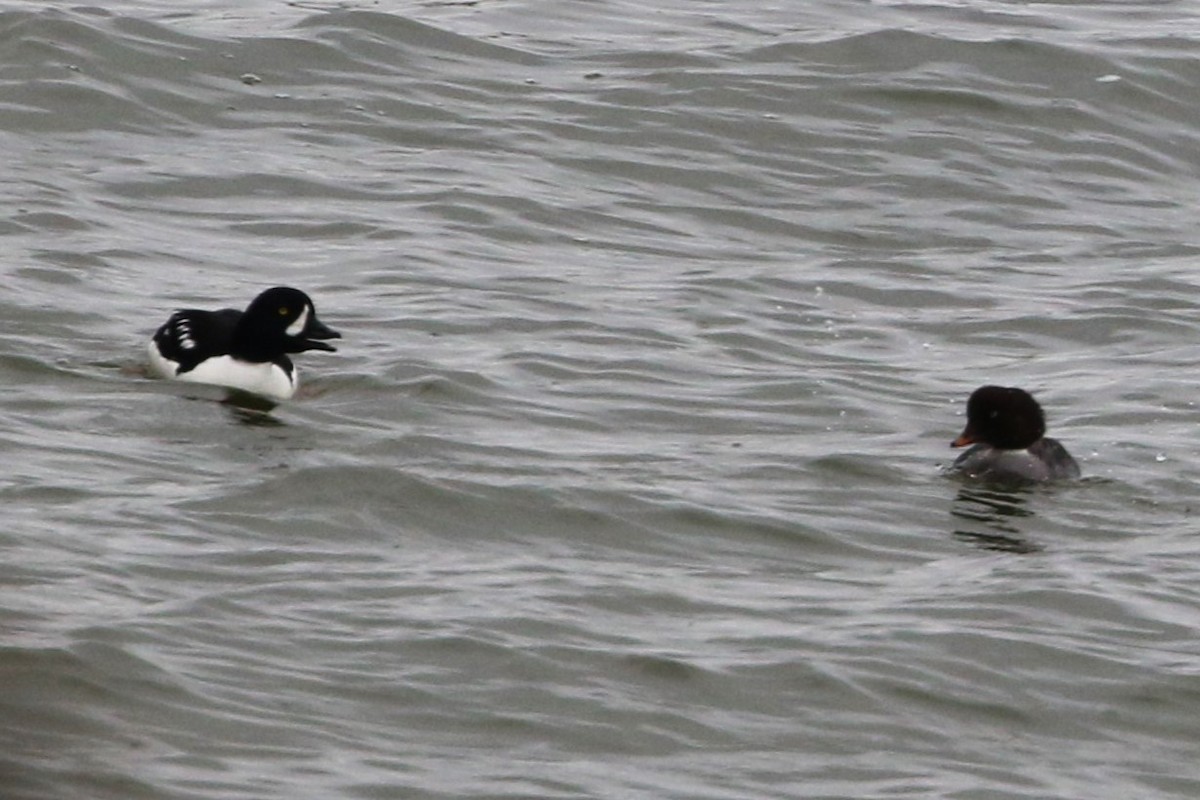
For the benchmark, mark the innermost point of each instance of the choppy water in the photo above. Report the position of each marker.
(625, 481)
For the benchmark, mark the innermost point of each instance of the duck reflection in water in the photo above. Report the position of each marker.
(997, 510)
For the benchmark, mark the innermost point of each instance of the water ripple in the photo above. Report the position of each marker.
(627, 476)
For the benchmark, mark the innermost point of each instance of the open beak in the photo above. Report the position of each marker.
(316, 330)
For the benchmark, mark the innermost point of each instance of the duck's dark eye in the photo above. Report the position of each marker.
(283, 311)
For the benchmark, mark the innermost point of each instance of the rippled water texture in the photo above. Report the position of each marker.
(626, 478)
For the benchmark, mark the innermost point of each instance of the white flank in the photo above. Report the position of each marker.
(161, 366)
(267, 380)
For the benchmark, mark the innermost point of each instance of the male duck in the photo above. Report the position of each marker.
(245, 350)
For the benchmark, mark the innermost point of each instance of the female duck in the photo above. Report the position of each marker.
(1008, 431)
(245, 350)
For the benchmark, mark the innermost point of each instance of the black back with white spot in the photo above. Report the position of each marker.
(191, 335)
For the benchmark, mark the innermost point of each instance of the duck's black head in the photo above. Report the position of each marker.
(1006, 418)
(282, 320)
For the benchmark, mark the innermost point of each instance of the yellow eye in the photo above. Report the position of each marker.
(283, 311)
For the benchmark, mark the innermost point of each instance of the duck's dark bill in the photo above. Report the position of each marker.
(319, 330)
(963, 440)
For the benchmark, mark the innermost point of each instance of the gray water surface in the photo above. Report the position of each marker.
(626, 480)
